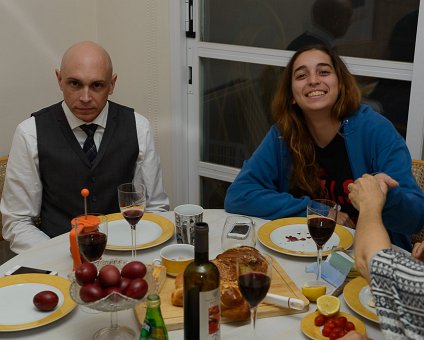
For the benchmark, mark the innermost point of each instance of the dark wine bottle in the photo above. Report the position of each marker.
(202, 297)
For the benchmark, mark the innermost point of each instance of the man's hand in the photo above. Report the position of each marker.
(386, 182)
(370, 191)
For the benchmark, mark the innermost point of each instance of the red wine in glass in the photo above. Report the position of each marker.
(254, 284)
(254, 287)
(132, 202)
(92, 245)
(321, 220)
(321, 229)
(133, 216)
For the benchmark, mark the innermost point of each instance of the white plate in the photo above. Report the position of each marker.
(151, 231)
(296, 237)
(16, 295)
(291, 236)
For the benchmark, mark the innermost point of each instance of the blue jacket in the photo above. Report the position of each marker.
(373, 145)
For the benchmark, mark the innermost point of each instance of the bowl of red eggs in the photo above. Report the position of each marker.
(111, 285)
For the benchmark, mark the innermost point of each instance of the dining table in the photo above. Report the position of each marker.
(81, 323)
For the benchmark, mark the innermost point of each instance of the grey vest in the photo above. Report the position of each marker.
(65, 169)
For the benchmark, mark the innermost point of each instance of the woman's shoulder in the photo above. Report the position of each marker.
(366, 117)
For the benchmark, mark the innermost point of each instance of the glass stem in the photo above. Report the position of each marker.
(319, 263)
(253, 319)
(133, 241)
(114, 320)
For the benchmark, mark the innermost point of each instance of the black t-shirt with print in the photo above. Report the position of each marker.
(336, 174)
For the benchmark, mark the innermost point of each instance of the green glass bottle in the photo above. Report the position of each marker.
(153, 326)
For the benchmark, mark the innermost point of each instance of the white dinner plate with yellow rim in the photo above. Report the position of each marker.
(151, 231)
(16, 307)
(291, 236)
(357, 295)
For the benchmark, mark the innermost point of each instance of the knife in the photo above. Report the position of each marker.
(339, 289)
(284, 301)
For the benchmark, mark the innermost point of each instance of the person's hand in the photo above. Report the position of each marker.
(370, 191)
(418, 251)
(354, 335)
(344, 219)
(386, 182)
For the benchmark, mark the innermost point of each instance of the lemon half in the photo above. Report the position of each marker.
(328, 305)
(313, 292)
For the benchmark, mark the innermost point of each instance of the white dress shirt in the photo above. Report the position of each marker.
(22, 192)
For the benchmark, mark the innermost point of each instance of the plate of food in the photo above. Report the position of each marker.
(151, 230)
(341, 320)
(359, 298)
(291, 236)
(17, 308)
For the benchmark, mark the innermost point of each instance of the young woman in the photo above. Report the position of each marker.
(324, 139)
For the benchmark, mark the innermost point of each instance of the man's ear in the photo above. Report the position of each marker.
(59, 78)
(112, 83)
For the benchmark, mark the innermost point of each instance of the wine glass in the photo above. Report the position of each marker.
(132, 202)
(321, 217)
(238, 231)
(254, 284)
(91, 231)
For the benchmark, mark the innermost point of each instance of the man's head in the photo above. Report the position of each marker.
(86, 79)
(334, 16)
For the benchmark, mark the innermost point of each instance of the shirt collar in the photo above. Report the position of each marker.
(75, 122)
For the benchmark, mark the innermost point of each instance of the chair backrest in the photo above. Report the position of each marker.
(418, 172)
(3, 164)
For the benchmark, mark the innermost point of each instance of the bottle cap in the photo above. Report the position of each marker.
(201, 231)
(201, 227)
(153, 300)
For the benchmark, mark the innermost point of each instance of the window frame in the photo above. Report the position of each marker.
(188, 168)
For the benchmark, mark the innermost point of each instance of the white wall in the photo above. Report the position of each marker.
(34, 34)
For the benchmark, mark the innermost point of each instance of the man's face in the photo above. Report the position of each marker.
(86, 82)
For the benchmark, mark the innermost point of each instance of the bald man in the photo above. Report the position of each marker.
(85, 141)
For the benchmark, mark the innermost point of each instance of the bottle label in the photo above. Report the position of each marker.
(146, 330)
(209, 314)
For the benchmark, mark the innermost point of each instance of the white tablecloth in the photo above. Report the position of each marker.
(82, 323)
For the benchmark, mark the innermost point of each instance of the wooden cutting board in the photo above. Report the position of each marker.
(281, 284)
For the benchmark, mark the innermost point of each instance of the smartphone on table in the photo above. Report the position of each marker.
(29, 270)
(239, 231)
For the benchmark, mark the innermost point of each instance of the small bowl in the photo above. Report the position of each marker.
(175, 258)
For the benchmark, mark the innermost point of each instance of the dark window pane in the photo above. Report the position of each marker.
(236, 109)
(391, 98)
(377, 29)
(212, 193)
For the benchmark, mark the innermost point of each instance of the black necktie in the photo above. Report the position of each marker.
(89, 146)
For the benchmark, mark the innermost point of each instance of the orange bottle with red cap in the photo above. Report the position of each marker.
(79, 224)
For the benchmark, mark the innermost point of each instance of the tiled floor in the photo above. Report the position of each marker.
(5, 253)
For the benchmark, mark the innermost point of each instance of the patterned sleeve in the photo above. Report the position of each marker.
(397, 283)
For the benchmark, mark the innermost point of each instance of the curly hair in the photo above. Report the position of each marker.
(304, 178)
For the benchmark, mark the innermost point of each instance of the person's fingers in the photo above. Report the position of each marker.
(418, 251)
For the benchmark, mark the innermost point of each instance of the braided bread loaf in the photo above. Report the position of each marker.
(233, 305)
